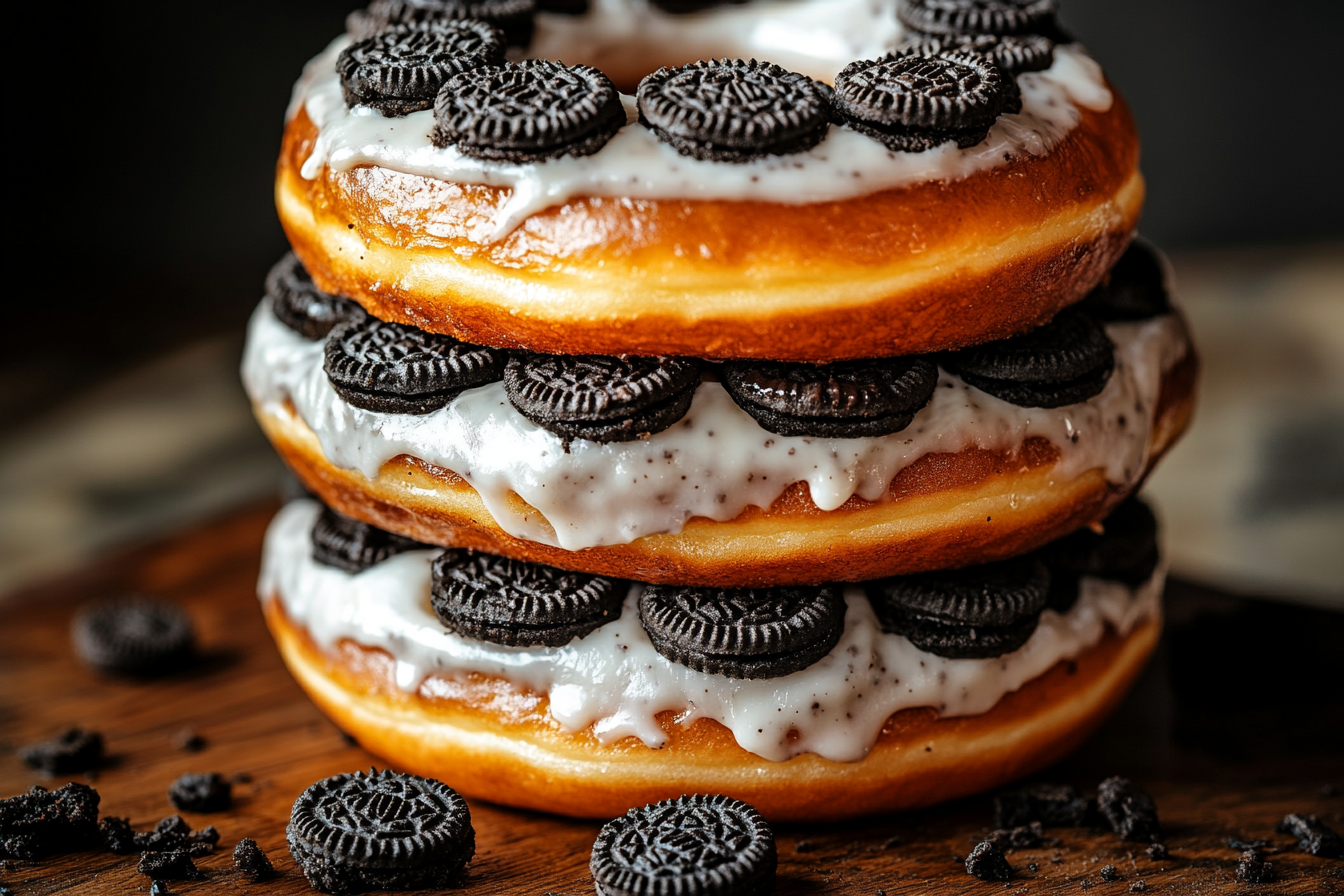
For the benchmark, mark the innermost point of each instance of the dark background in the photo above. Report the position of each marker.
(142, 194)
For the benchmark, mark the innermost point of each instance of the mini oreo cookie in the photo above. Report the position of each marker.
(977, 612)
(1128, 809)
(1124, 551)
(1135, 289)
(520, 604)
(43, 822)
(977, 16)
(698, 845)
(397, 369)
(601, 398)
(399, 70)
(734, 110)
(745, 633)
(913, 103)
(300, 305)
(1014, 54)
(512, 17)
(844, 400)
(353, 546)
(528, 111)
(380, 831)
(208, 792)
(1067, 361)
(73, 750)
(134, 636)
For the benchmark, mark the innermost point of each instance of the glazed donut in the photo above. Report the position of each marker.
(364, 648)
(844, 251)
(952, 489)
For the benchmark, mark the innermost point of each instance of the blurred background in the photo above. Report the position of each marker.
(150, 201)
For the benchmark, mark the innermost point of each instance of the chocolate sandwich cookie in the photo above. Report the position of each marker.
(134, 636)
(43, 822)
(528, 111)
(914, 103)
(1134, 289)
(1125, 551)
(977, 612)
(745, 633)
(397, 369)
(696, 845)
(73, 750)
(1012, 53)
(734, 110)
(844, 400)
(977, 16)
(300, 305)
(520, 604)
(600, 398)
(1067, 361)
(353, 546)
(512, 17)
(400, 69)
(380, 831)
(1128, 809)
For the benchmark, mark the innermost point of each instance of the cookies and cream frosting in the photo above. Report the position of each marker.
(717, 460)
(614, 682)
(817, 38)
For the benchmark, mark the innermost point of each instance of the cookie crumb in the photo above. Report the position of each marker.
(251, 860)
(987, 863)
(1253, 869)
(1110, 873)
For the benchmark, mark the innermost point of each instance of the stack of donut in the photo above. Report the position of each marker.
(752, 402)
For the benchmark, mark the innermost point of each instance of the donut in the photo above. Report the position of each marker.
(751, 405)
(363, 647)
(846, 250)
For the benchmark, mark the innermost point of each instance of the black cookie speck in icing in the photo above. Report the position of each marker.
(743, 632)
(847, 399)
(1134, 289)
(913, 103)
(300, 305)
(528, 111)
(696, 845)
(400, 69)
(515, 18)
(1068, 360)
(352, 546)
(734, 110)
(380, 831)
(134, 635)
(980, 611)
(601, 398)
(397, 369)
(520, 604)
(977, 16)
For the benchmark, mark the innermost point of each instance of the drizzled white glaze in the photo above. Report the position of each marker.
(818, 37)
(614, 681)
(716, 461)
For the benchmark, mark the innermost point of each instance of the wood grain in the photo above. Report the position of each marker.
(257, 722)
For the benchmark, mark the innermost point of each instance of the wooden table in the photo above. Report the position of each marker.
(1236, 723)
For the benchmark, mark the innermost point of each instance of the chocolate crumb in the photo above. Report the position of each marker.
(1157, 852)
(175, 864)
(987, 863)
(805, 846)
(1313, 837)
(73, 750)
(1022, 837)
(1253, 869)
(1032, 866)
(249, 858)
(1243, 846)
(1137, 887)
(201, 793)
(1110, 873)
(188, 741)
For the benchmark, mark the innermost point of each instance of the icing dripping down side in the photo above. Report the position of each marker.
(615, 683)
(635, 164)
(717, 460)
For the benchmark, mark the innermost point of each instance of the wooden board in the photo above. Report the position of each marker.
(1231, 729)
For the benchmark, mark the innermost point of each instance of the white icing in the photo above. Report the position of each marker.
(614, 681)
(715, 462)
(818, 37)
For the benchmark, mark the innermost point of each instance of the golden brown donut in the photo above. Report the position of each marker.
(919, 269)
(950, 510)
(491, 740)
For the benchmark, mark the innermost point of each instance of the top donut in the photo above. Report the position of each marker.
(906, 177)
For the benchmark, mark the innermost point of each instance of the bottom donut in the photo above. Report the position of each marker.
(623, 729)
